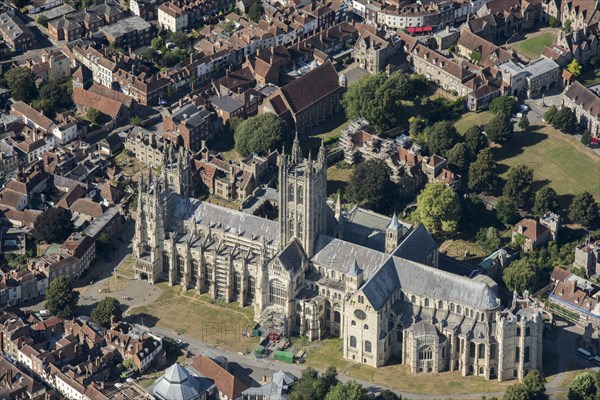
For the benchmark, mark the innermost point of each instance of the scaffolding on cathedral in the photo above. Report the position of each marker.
(273, 320)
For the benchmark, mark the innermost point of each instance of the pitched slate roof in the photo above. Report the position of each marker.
(585, 98)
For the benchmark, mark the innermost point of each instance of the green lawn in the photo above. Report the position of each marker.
(589, 77)
(337, 179)
(556, 158)
(532, 48)
(470, 119)
(328, 353)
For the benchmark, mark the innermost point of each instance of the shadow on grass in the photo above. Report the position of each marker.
(142, 318)
(520, 140)
(334, 186)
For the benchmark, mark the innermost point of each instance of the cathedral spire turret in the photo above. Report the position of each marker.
(322, 157)
(296, 150)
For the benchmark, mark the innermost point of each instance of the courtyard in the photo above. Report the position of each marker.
(532, 46)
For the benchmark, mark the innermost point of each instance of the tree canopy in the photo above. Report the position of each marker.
(311, 386)
(564, 120)
(584, 209)
(21, 83)
(546, 199)
(378, 99)
(575, 67)
(438, 208)
(535, 383)
(458, 158)
(482, 172)
(369, 183)
(518, 391)
(54, 225)
(500, 129)
(348, 391)
(106, 309)
(505, 105)
(520, 275)
(61, 298)
(261, 133)
(507, 210)
(440, 137)
(582, 387)
(489, 238)
(518, 184)
(475, 140)
(524, 122)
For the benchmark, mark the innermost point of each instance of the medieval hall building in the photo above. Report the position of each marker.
(320, 271)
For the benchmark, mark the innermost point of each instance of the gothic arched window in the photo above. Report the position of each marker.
(425, 353)
(353, 341)
(277, 293)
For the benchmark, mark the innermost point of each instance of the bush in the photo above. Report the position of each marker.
(42, 20)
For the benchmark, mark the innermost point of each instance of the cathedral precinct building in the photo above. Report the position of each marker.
(320, 271)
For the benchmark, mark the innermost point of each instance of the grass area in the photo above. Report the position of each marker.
(222, 202)
(532, 47)
(128, 164)
(126, 268)
(337, 179)
(328, 132)
(556, 158)
(456, 248)
(197, 315)
(470, 119)
(327, 353)
(589, 77)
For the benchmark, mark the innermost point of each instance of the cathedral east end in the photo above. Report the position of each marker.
(320, 271)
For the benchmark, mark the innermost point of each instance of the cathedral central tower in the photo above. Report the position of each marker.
(302, 197)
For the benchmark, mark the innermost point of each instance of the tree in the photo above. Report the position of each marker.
(575, 67)
(552, 21)
(583, 387)
(21, 83)
(564, 120)
(500, 129)
(157, 43)
(503, 105)
(388, 395)
(489, 238)
(475, 140)
(535, 383)
(61, 298)
(518, 184)
(54, 225)
(458, 158)
(255, 11)
(586, 138)
(546, 200)
(520, 275)
(136, 121)
(311, 386)
(261, 133)
(42, 20)
(348, 391)
(584, 209)
(567, 26)
(550, 114)
(475, 56)
(179, 39)
(378, 99)
(441, 136)
(93, 115)
(506, 211)
(518, 391)
(438, 208)
(482, 173)
(107, 309)
(417, 125)
(524, 122)
(368, 183)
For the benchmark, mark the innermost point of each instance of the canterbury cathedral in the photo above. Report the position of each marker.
(320, 271)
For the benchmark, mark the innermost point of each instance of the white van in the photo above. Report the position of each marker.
(585, 354)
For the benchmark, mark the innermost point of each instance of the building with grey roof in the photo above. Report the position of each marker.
(375, 281)
(182, 383)
(15, 33)
(532, 79)
(277, 389)
(132, 32)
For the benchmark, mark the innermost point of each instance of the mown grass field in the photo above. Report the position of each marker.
(470, 119)
(532, 47)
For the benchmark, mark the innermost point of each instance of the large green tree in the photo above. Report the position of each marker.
(369, 183)
(348, 391)
(564, 120)
(503, 105)
(507, 210)
(438, 208)
(458, 158)
(61, 298)
(261, 133)
(519, 184)
(582, 387)
(54, 225)
(520, 275)
(378, 98)
(475, 140)
(500, 129)
(518, 391)
(483, 174)
(546, 200)
(535, 383)
(441, 136)
(106, 309)
(489, 238)
(311, 386)
(584, 209)
(21, 83)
